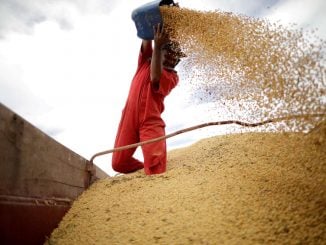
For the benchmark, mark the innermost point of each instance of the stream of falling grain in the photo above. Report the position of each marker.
(265, 69)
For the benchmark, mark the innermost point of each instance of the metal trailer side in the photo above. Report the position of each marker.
(39, 180)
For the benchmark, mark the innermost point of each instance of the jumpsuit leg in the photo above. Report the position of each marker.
(122, 161)
(154, 153)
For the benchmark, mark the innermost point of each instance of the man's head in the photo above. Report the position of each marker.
(173, 54)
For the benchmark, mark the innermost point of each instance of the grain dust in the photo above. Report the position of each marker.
(258, 69)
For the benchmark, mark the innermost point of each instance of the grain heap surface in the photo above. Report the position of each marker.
(253, 68)
(254, 188)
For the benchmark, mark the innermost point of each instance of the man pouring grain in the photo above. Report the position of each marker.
(141, 117)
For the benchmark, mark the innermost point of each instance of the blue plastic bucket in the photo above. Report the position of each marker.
(145, 17)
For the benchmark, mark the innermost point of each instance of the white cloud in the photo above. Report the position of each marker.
(14, 90)
(308, 14)
(81, 76)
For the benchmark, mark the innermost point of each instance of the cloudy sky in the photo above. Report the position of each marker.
(66, 65)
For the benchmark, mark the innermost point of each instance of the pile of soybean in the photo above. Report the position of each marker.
(253, 188)
(251, 68)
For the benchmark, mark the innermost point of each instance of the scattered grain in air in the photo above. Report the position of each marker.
(239, 59)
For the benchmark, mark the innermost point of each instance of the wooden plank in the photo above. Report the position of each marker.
(32, 164)
(39, 180)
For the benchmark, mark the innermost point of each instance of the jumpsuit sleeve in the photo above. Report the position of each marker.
(169, 79)
(144, 55)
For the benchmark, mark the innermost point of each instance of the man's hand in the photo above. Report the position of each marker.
(161, 38)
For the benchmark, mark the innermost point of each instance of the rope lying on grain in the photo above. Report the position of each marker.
(245, 124)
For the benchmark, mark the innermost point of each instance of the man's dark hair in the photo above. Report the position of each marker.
(167, 2)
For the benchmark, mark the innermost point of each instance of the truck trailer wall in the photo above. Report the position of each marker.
(39, 180)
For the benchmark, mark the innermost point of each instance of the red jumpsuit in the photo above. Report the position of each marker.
(141, 120)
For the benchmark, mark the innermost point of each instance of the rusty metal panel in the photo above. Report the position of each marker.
(29, 220)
